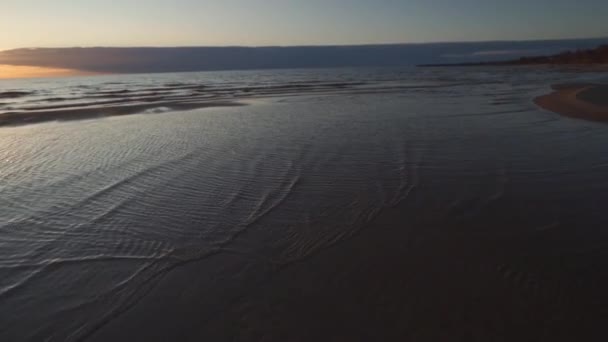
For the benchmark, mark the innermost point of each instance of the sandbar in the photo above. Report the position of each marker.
(584, 101)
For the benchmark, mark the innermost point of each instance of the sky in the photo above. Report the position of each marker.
(69, 23)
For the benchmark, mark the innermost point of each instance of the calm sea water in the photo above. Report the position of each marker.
(96, 213)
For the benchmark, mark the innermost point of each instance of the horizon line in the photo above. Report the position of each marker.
(303, 45)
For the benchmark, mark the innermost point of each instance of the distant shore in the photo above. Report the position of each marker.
(591, 57)
(584, 101)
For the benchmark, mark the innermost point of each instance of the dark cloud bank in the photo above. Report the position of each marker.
(143, 60)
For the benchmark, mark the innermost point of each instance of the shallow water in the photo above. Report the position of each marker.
(95, 213)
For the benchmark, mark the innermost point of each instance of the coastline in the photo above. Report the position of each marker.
(26, 106)
(583, 101)
(83, 113)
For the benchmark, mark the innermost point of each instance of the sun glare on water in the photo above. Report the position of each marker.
(13, 71)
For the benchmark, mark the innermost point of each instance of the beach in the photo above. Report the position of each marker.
(336, 205)
(584, 101)
(396, 280)
(303, 171)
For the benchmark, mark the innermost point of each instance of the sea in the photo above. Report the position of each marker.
(348, 204)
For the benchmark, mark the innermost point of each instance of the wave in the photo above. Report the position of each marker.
(14, 94)
(111, 98)
(64, 114)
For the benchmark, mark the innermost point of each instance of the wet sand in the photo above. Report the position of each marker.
(584, 101)
(398, 280)
(239, 224)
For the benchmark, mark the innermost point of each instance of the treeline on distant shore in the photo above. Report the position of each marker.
(598, 55)
(595, 56)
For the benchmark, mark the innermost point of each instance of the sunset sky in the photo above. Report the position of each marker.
(174, 23)
(59, 23)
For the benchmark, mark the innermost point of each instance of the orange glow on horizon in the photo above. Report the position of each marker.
(14, 71)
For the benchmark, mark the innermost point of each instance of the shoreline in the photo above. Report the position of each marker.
(18, 118)
(583, 101)
(20, 110)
